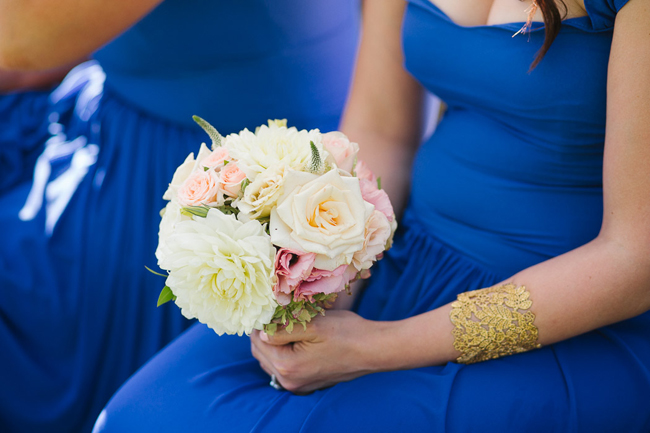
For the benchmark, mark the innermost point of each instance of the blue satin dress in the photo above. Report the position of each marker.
(83, 170)
(511, 177)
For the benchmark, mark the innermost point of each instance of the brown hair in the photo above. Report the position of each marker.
(552, 23)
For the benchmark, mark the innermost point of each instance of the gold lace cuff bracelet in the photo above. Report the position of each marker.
(493, 322)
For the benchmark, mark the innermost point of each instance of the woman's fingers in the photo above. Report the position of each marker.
(279, 361)
(274, 356)
(282, 337)
(264, 363)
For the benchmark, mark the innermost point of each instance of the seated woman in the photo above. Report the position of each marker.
(83, 170)
(533, 187)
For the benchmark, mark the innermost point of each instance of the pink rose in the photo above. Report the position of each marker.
(201, 187)
(363, 172)
(216, 158)
(291, 268)
(377, 197)
(343, 151)
(231, 178)
(320, 281)
(378, 232)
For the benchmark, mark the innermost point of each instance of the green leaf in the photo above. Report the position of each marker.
(156, 273)
(305, 317)
(278, 312)
(166, 295)
(379, 183)
(206, 168)
(227, 209)
(210, 130)
(316, 161)
(200, 211)
(271, 328)
(244, 184)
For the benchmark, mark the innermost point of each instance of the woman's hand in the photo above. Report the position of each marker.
(334, 348)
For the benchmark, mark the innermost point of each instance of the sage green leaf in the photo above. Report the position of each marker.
(210, 130)
(305, 317)
(316, 161)
(271, 328)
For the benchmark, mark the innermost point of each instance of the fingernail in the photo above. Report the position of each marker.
(264, 336)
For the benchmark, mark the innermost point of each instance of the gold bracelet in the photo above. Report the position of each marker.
(493, 322)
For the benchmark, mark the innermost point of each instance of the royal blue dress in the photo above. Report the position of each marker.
(83, 170)
(511, 177)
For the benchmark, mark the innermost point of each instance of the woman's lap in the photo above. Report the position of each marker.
(211, 383)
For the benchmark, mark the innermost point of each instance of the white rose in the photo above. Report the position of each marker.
(273, 145)
(263, 193)
(221, 271)
(378, 232)
(324, 214)
(184, 171)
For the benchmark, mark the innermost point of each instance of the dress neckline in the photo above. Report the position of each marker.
(583, 22)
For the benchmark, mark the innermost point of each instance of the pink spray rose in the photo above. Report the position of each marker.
(231, 178)
(291, 268)
(201, 187)
(216, 158)
(340, 147)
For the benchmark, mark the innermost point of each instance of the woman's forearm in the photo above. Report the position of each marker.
(595, 285)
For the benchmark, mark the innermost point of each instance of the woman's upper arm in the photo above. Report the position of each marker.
(385, 107)
(42, 34)
(384, 97)
(626, 174)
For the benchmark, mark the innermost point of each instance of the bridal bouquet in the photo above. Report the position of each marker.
(264, 229)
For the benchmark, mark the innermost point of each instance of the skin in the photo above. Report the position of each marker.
(11, 81)
(609, 277)
(600, 283)
(41, 34)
